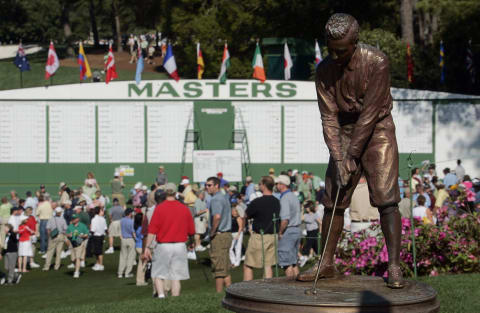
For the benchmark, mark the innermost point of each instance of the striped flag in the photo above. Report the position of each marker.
(52, 62)
(170, 65)
(318, 54)
(257, 64)
(225, 65)
(200, 62)
(470, 63)
(83, 62)
(409, 64)
(287, 62)
(442, 63)
(111, 68)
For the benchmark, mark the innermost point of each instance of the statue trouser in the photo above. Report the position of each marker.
(379, 164)
(390, 222)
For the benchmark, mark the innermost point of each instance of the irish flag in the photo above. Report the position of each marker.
(257, 64)
(225, 65)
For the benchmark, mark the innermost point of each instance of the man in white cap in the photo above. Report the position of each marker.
(162, 178)
(56, 228)
(188, 195)
(250, 189)
(63, 194)
(289, 233)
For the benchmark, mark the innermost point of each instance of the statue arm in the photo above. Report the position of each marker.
(377, 95)
(329, 114)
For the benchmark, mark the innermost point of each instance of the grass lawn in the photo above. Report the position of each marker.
(57, 291)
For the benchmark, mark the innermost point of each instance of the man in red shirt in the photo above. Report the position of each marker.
(171, 224)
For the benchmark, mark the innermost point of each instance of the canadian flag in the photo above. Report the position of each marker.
(111, 69)
(52, 62)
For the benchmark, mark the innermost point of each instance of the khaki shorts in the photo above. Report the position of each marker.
(78, 252)
(254, 255)
(220, 255)
(200, 225)
(115, 230)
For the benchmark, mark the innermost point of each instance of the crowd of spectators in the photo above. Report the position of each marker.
(161, 227)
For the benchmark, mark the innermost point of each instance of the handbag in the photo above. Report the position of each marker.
(54, 232)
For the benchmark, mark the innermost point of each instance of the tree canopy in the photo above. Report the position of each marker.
(388, 24)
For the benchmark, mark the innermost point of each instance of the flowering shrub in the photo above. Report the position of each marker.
(452, 246)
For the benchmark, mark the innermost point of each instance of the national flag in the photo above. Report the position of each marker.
(83, 62)
(442, 63)
(200, 62)
(52, 62)
(138, 72)
(409, 64)
(21, 60)
(111, 68)
(225, 65)
(470, 63)
(169, 63)
(318, 54)
(257, 64)
(287, 62)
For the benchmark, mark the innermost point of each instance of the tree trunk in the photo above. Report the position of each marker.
(117, 26)
(67, 30)
(406, 17)
(93, 22)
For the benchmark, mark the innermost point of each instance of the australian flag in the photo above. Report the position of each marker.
(21, 60)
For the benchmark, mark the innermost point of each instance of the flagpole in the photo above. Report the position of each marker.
(21, 78)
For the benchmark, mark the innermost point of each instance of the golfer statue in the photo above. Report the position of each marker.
(353, 90)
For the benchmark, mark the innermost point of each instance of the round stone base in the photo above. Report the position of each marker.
(345, 294)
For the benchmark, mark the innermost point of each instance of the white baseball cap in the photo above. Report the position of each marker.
(283, 179)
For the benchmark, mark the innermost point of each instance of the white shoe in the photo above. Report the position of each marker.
(63, 255)
(120, 276)
(76, 275)
(97, 267)
(82, 263)
(44, 256)
(68, 253)
(128, 275)
(101, 268)
(34, 265)
(200, 248)
(109, 251)
(302, 261)
(71, 265)
(191, 255)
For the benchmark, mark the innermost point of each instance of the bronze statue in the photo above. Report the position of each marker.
(353, 90)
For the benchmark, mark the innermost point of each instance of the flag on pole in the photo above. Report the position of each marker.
(442, 63)
(83, 62)
(52, 62)
(470, 63)
(200, 62)
(111, 68)
(169, 63)
(409, 64)
(287, 62)
(318, 54)
(21, 60)
(138, 72)
(225, 65)
(257, 64)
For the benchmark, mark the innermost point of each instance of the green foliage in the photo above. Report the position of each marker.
(394, 48)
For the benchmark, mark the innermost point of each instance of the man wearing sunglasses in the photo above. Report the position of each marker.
(220, 233)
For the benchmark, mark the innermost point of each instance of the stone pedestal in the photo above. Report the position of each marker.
(359, 294)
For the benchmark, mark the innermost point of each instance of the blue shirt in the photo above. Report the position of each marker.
(220, 205)
(126, 224)
(428, 202)
(250, 189)
(449, 179)
(138, 240)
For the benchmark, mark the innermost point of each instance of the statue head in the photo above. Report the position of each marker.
(341, 33)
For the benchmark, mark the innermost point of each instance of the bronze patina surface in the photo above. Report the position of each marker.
(342, 294)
